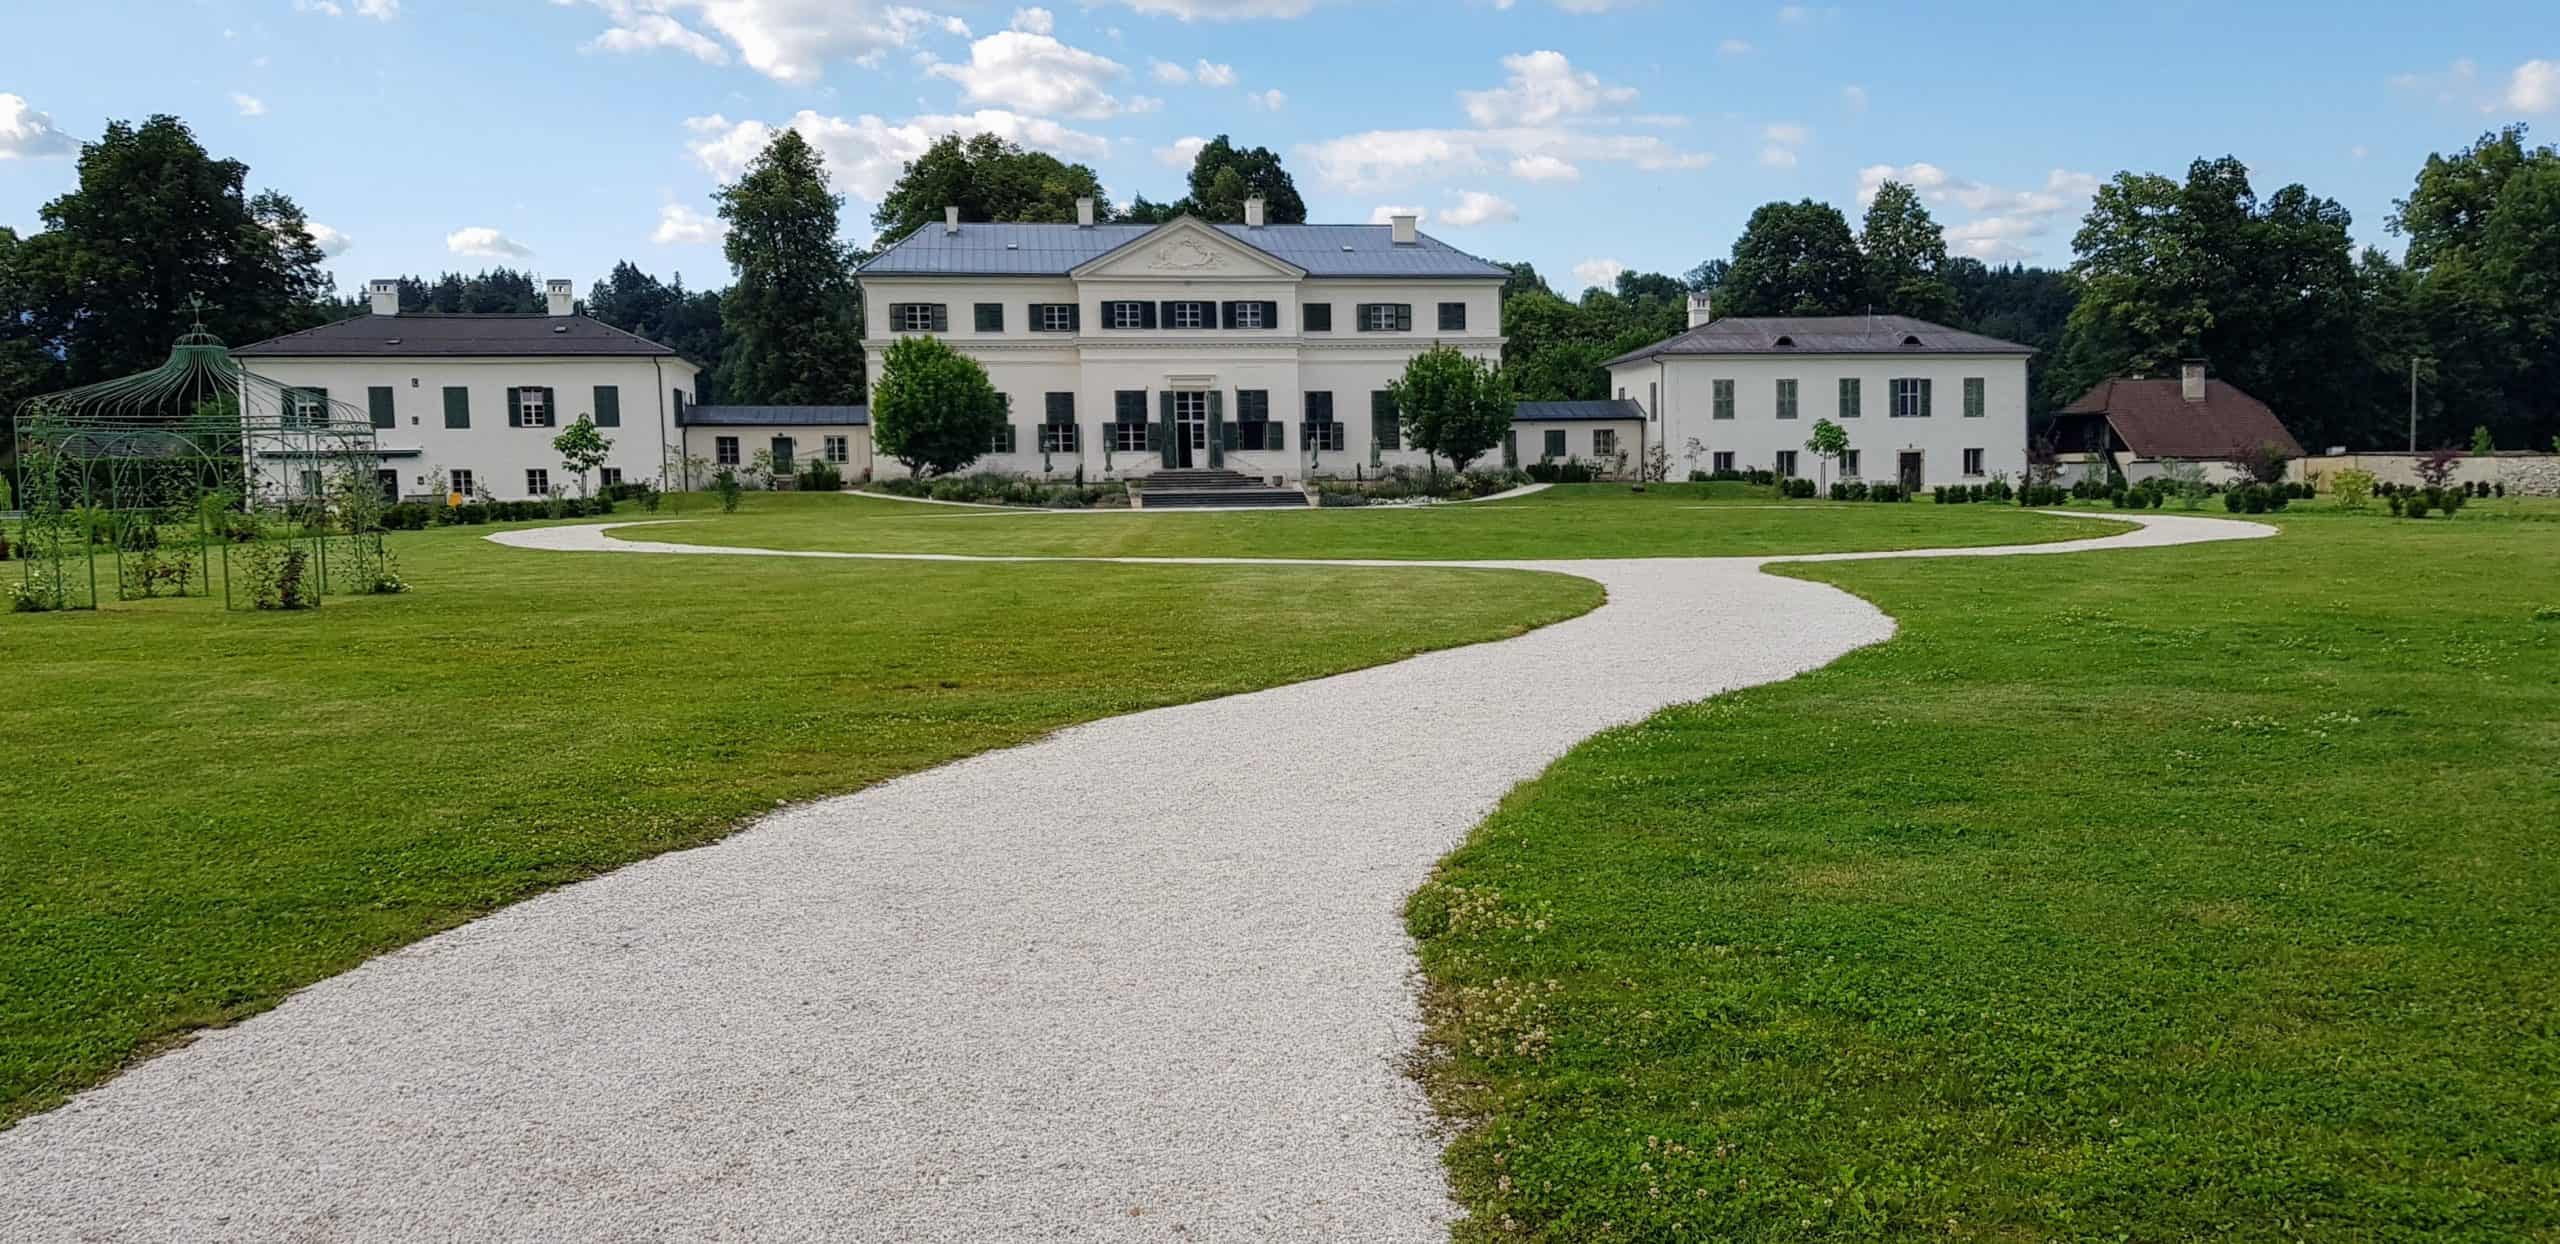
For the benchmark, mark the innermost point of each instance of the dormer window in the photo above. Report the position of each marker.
(1910, 342)
(1785, 343)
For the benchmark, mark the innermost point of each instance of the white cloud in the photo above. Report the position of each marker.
(1777, 157)
(2534, 87)
(378, 10)
(1222, 10)
(2357, 152)
(1600, 272)
(1268, 101)
(1854, 98)
(1794, 14)
(1037, 21)
(648, 31)
(1735, 47)
(1787, 134)
(1208, 73)
(1385, 213)
(1170, 74)
(485, 243)
(1381, 159)
(1036, 73)
(26, 133)
(1544, 168)
(331, 242)
(1475, 207)
(865, 154)
(2004, 220)
(1543, 88)
(248, 105)
(787, 40)
(679, 225)
(1181, 152)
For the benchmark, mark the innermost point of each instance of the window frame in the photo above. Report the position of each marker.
(608, 477)
(1910, 397)
(984, 312)
(1853, 397)
(1976, 396)
(1057, 317)
(909, 313)
(462, 482)
(837, 450)
(541, 489)
(1386, 317)
(1249, 315)
(1453, 317)
(533, 407)
(1126, 315)
(1197, 313)
(1720, 461)
(724, 451)
(1315, 317)
(1552, 446)
(1788, 393)
(1849, 463)
(1604, 442)
(1973, 463)
(1786, 464)
(1721, 399)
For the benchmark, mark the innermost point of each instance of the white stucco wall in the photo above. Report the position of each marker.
(1684, 411)
(1581, 442)
(807, 441)
(1286, 361)
(418, 443)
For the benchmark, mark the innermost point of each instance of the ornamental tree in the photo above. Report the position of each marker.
(1452, 406)
(933, 407)
(582, 449)
(1829, 443)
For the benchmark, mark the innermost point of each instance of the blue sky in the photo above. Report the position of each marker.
(562, 135)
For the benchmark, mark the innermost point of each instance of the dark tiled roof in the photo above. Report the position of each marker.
(1824, 334)
(1056, 249)
(458, 336)
(2155, 420)
(775, 416)
(1558, 412)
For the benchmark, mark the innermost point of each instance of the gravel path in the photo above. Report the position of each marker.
(1144, 980)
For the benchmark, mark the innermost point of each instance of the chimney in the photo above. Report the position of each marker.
(2191, 380)
(950, 221)
(1404, 227)
(1702, 309)
(557, 293)
(1253, 211)
(386, 297)
(1084, 212)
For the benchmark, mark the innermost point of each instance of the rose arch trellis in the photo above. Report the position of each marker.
(197, 478)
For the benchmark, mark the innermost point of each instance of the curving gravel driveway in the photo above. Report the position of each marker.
(1144, 979)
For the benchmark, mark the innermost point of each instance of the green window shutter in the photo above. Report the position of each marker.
(990, 317)
(551, 405)
(942, 317)
(608, 406)
(1276, 434)
(1270, 314)
(1317, 316)
(1146, 315)
(457, 406)
(1075, 317)
(1231, 436)
(1360, 316)
(1404, 317)
(1164, 422)
(515, 407)
(1925, 396)
(1384, 428)
(377, 400)
(1227, 314)
(1219, 438)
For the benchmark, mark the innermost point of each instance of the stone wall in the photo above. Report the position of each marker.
(2532, 474)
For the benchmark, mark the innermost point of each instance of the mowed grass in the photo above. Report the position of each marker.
(201, 811)
(1573, 521)
(2202, 893)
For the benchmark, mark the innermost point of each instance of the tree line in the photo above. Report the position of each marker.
(2268, 289)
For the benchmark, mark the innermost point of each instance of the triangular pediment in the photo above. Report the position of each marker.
(1186, 248)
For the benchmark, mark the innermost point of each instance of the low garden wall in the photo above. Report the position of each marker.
(2529, 474)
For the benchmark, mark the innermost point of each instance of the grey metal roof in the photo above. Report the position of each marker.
(775, 416)
(1056, 249)
(1561, 412)
(1823, 334)
(458, 336)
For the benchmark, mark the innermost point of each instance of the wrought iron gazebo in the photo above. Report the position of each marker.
(158, 483)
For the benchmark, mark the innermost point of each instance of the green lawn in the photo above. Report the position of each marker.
(201, 811)
(2202, 893)
(1597, 520)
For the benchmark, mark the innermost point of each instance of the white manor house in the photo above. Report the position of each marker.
(1124, 349)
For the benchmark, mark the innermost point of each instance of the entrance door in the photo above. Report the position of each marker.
(388, 481)
(1190, 428)
(1910, 471)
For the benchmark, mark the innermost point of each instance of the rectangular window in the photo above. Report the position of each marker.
(1973, 397)
(533, 408)
(1786, 464)
(1128, 421)
(462, 483)
(1131, 314)
(1973, 462)
(920, 317)
(1003, 441)
(1723, 461)
(1786, 399)
(537, 482)
(990, 317)
(1054, 317)
(1254, 429)
(377, 401)
(1911, 399)
(608, 406)
(457, 406)
(307, 408)
(311, 483)
(1386, 430)
(1554, 447)
(724, 451)
(1190, 315)
(1191, 416)
(1723, 399)
(611, 477)
(838, 450)
(1386, 317)
(1604, 442)
(1251, 315)
(1453, 317)
(1850, 397)
(1849, 464)
(1652, 399)
(1323, 433)
(1317, 316)
(1058, 426)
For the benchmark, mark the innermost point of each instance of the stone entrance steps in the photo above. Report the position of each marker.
(1208, 489)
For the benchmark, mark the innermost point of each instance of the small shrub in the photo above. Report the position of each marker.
(2416, 506)
(725, 486)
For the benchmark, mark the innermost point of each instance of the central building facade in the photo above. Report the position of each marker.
(1124, 350)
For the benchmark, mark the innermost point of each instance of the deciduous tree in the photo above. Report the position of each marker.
(1906, 256)
(934, 408)
(1452, 406)
(792, 315)
(1794, 259)
(582, 449)
(988, 179)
